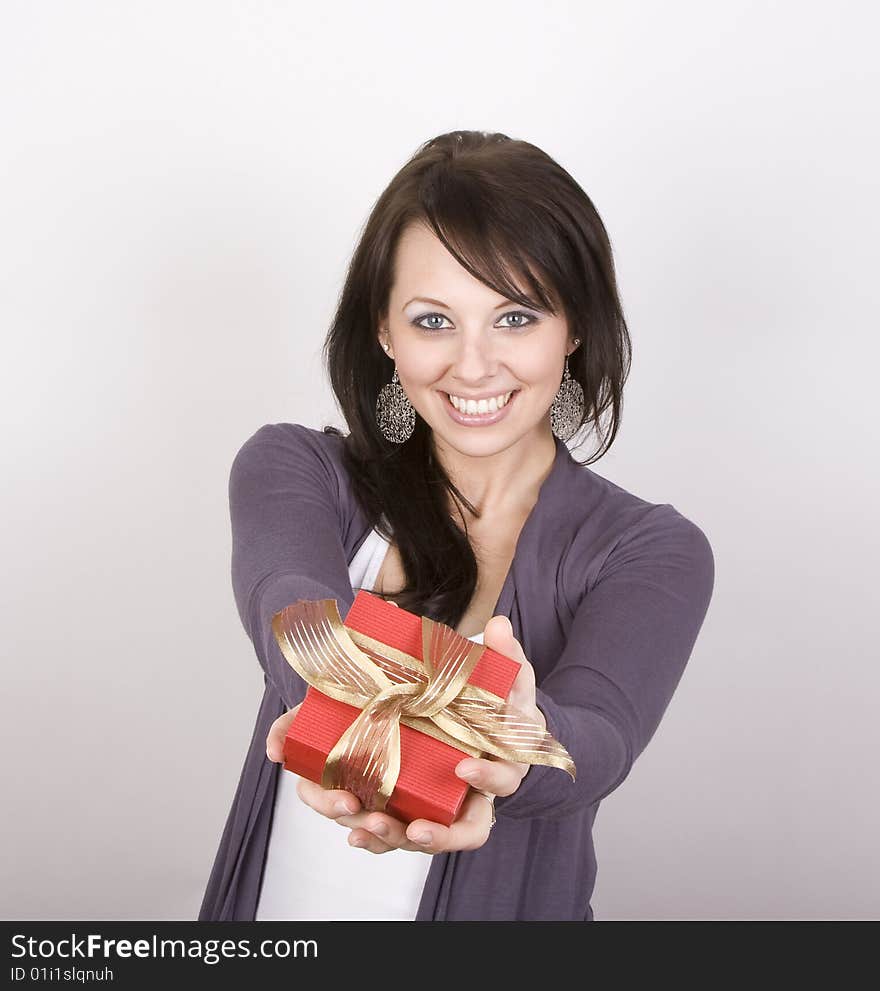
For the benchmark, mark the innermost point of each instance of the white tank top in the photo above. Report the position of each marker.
(311, 872)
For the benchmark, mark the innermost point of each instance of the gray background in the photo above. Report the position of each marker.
(182, 185)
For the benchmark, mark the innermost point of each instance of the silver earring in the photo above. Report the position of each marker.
(395, 414)
(567, 408)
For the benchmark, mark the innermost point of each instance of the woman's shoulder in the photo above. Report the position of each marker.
(294, 437)
(292, 455)
(612, 527)
(289, 443)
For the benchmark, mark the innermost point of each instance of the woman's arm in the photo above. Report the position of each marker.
(286, 539)
(629, 642)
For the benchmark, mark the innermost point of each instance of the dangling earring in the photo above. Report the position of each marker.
(395, 414)
(567, 408)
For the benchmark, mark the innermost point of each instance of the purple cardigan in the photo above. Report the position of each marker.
(606, 594)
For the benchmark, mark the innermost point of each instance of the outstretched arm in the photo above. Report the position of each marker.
(626, 651)
(286, 539)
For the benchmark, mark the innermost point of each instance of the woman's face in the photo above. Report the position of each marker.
(451, 335)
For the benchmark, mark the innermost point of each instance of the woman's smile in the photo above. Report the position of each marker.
(478, 413)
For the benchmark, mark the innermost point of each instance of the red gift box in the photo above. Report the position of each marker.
(427, 786)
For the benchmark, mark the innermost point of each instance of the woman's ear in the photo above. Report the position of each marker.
(384, 342)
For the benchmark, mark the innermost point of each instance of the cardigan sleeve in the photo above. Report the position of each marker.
(284, 503)
(630, 639)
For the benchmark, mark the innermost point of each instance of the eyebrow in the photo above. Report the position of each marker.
(438, 302)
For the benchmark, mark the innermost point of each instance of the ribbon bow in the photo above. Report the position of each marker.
(391, 687)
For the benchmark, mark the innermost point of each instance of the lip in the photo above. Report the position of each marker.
(477, 419)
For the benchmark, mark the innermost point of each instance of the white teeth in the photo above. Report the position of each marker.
(476, 406)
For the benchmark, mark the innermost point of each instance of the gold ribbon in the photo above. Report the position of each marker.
(392, 687)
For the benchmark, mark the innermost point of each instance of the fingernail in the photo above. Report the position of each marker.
(424, 838)
(470, 775)
(343, 809)
(357, 842)
(380, 829)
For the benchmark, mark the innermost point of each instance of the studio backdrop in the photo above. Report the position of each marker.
(182, 186)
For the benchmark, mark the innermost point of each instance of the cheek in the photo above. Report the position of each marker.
(540, 370)
(419, 366)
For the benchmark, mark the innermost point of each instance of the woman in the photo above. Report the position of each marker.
(478, 329)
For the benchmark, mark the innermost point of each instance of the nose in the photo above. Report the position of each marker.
(475, 359)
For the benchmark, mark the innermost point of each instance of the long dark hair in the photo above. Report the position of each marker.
(499, 206)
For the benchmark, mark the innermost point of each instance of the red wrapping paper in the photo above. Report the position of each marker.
(427, 787)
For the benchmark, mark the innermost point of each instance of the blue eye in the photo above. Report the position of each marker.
(519, 313)
(418, 321)
(530, 319)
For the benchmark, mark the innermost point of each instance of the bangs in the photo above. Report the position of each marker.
(497, 237)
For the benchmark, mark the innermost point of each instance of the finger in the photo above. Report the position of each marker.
(500, 777)
(498, 634)
(366, 840)
(522, 691)
(277, 733)
(385, 827)
(468, 832)
(381, 825)
(390, 830)
(331, 802)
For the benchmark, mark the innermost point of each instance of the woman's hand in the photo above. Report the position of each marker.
(379, 832)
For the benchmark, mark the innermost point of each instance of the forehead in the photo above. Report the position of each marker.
(421, 255)
(424, 266)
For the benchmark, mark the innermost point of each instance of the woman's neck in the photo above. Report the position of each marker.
(505, 482)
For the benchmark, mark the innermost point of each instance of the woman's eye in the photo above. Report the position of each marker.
(437, 319)
(429, 316)
(519, 313)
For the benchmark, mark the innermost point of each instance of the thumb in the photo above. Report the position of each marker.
(498, 635)
(278, 733)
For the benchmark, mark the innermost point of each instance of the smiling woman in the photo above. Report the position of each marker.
(479, 328)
